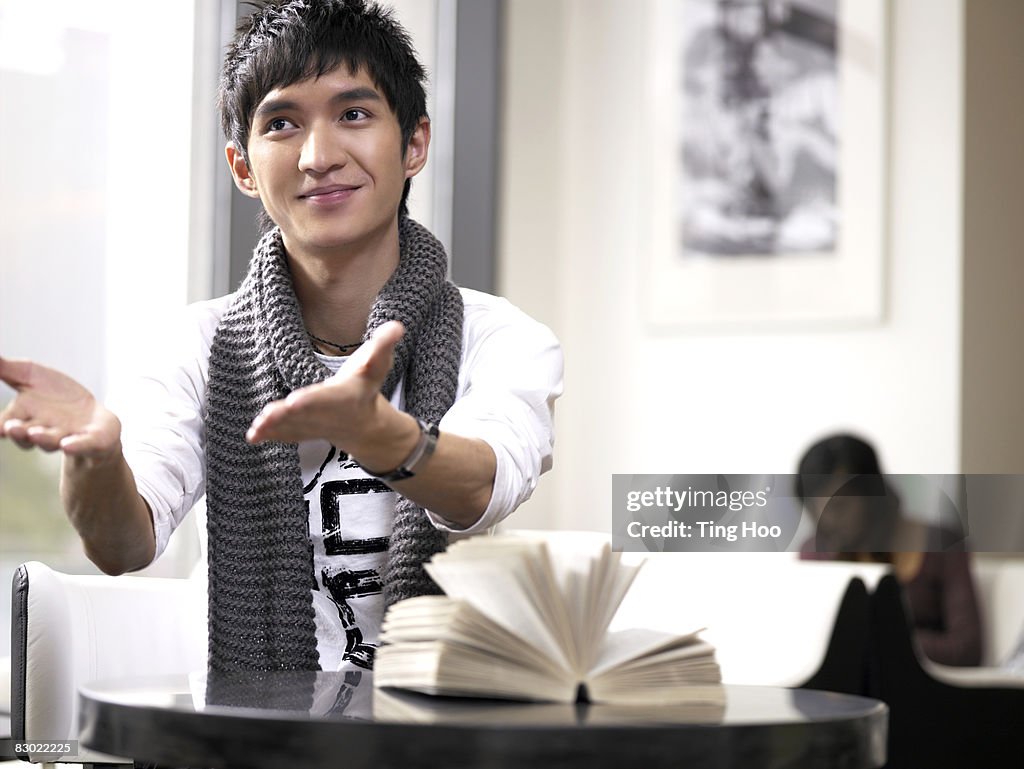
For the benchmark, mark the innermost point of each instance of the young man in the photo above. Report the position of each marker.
(347, 407)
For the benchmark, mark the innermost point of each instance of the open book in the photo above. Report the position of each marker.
(522, 620)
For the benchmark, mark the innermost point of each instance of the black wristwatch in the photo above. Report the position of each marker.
(421, 451)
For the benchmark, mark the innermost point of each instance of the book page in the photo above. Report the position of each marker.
(611, 583)
(507, 582)
(592, 580)
(430, 618)
(651, 667)
(625, 645)
(576, 573)
(444, 667)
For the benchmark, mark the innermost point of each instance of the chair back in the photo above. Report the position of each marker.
(771, 617)
(1000, 588)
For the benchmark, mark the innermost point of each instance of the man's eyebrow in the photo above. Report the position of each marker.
(274, 105)
(360, 93)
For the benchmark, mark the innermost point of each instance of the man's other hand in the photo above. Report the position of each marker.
(52, 411)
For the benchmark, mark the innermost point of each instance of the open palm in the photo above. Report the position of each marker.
(338, 409)
(52, 411)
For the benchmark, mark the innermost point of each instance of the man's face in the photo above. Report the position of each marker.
(326, 160)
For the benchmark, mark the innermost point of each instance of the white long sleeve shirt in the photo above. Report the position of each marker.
(510, 376)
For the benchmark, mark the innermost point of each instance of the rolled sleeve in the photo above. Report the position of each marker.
(509, 381)
(161, 409)
(165, 454)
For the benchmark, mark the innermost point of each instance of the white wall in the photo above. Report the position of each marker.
(642, 401)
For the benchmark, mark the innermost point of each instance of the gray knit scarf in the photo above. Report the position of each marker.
(260, 555)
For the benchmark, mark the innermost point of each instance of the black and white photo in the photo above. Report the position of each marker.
(760, 127)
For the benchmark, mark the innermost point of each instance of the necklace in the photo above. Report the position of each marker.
(343, 348)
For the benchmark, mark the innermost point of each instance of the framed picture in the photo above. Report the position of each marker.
(766, 167)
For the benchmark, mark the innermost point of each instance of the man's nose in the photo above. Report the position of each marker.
(322, 150)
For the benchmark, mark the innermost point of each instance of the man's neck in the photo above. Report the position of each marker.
(336, 288)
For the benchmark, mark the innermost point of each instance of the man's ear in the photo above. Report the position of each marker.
(416, 149)
(244, 179)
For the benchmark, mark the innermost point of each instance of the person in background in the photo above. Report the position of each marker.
(840, 483)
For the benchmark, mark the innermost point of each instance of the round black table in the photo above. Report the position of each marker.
(339, 720)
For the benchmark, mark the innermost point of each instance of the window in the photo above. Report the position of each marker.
(95, 169)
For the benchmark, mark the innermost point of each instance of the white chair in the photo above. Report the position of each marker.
(770, 617)
(1000, 583)
(68, 630)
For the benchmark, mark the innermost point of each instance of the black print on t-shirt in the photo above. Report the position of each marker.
(309, 541)
(356, 652)
(345, 462)
(323, 466)
(345, 692)
(331, 496)
(343, 585)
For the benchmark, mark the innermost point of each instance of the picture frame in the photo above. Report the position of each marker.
(791, 270)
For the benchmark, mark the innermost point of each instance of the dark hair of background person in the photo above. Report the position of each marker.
(844, 465)
(841, 454)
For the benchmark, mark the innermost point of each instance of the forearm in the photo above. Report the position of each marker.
(104, 506)
(455, 482)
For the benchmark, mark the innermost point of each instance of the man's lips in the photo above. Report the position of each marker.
(329, 193)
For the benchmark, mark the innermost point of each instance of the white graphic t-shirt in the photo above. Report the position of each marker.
(350, 520)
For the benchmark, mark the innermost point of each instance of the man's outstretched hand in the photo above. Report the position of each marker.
(349, 411)
(344, 409)
(52, 411)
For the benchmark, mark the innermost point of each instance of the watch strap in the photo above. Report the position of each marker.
(420, 453)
